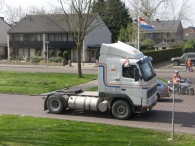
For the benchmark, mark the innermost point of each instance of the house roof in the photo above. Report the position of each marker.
(164, 26)
(47, 23)
(162, 44)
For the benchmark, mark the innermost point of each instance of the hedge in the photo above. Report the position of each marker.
(163, 55)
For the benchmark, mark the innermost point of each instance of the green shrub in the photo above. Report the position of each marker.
(55, 59)
(52, 53)
(36, 59)
(65, 54)
(59, 54)
(163, 55)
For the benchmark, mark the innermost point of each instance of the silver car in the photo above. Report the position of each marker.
(162, 90)
(181, 60)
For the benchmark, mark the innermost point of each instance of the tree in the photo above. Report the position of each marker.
(145, 8)
(189, 45)
(77, 18)
(128, 34)
(179, 11)
(14, 14)
(147, 44)
(115, 15)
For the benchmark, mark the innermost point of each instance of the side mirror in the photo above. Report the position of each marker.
(136, 74)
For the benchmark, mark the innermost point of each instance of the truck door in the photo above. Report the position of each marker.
(129, 86)
(112, 76)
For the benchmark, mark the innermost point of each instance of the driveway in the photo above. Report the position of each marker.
(159, 118)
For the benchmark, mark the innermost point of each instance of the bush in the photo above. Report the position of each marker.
(55, 59)
(36, 59)
(163, 55)
(52, 53)
(65, 54)
(59, 54)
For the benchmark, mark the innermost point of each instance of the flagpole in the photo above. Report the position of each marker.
(138, 33)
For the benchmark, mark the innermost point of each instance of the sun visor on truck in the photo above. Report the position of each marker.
(144, 60)
(121, 50)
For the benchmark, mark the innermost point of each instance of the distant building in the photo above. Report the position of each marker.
(4, 27)
(29, 36)
(168, 31)
(189, 33)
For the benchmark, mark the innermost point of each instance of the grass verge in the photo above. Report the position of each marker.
(30, 131)
(36, 83)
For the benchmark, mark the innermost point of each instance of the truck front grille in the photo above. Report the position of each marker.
(151, 91)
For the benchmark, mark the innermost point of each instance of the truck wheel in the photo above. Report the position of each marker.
(176, 63)
(121, 110)
(54, 105)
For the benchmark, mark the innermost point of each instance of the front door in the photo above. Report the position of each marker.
(132, 89)
(92, 55)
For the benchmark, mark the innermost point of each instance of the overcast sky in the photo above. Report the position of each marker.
(45, 3)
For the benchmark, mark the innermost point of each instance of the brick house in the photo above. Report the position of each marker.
(167, 31)
(189, 33)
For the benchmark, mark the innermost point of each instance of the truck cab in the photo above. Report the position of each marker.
(125, 75)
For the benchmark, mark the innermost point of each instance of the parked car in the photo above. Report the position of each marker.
(162, 90)
(181, 60)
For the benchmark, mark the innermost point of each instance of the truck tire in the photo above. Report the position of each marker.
(121, 110)
(55, 105)
(176, 63)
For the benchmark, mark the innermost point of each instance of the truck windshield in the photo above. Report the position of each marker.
(147, 71)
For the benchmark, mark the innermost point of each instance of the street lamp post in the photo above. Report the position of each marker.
(47, 42)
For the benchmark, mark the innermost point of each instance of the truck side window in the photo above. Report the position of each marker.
(128, 72)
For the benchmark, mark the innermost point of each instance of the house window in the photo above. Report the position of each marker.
(20, 37)
(33, 37)
(191, 30)
(39, 37)
(38, 52)
(15, 37)
(25, 37)
(51, 37)
(58, 37)
(64, 37)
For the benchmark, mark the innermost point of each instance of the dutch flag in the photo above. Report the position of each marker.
(144, 24)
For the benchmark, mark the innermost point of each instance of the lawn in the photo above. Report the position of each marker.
(29, 131)
(36, 83)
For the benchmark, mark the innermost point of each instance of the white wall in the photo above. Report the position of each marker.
(4, 27)
(101, 34)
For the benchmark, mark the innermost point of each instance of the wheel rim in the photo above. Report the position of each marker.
(55, 104)
(121, 110)
(176, 63)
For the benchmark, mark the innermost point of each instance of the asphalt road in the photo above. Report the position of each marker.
(159, 118)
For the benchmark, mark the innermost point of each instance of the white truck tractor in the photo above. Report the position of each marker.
(126, 84)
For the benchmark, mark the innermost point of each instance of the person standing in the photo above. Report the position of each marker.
(189, 64)
(176, 77)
